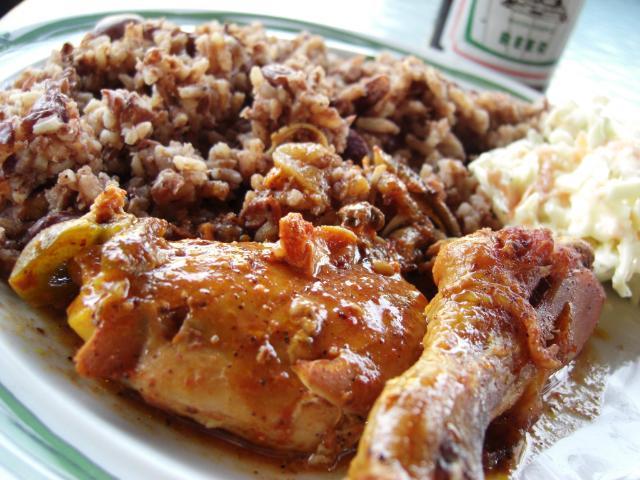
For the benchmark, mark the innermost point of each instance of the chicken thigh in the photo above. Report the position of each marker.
(286, 345)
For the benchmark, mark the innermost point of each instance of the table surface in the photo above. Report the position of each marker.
(600, 59)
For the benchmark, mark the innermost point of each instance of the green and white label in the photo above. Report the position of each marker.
(521, 38)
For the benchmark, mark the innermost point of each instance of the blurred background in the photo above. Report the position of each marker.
(600, 57)
(8, 5)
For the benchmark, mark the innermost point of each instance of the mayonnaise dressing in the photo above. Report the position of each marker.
(579, 176)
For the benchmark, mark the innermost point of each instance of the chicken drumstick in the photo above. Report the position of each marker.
(512, 307)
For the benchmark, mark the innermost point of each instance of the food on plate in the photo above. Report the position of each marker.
(243, 230)
(285, 344)
(512, 307)
(186, 122)
(40, 275)
(579, 176)
(288, 344)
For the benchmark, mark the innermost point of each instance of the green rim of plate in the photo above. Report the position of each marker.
(25, 429)
(29, 433)
(66, 26)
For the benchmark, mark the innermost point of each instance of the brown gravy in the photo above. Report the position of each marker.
(571, 398)
(255, 461)
(260, 462)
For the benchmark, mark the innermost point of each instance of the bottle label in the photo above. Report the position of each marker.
(521, 38)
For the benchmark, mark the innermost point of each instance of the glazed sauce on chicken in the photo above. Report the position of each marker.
(252, 460)
(212, 296)
(574, 394)
(576, 389)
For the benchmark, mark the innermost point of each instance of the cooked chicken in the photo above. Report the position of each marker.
(512, 307)
(286, 345)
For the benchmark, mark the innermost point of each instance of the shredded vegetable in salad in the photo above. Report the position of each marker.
(579, 176)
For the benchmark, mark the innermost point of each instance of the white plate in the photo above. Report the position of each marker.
(54, 424)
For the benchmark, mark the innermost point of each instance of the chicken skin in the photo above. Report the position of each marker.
(286, 345)
(289, 345)
(511, 308)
